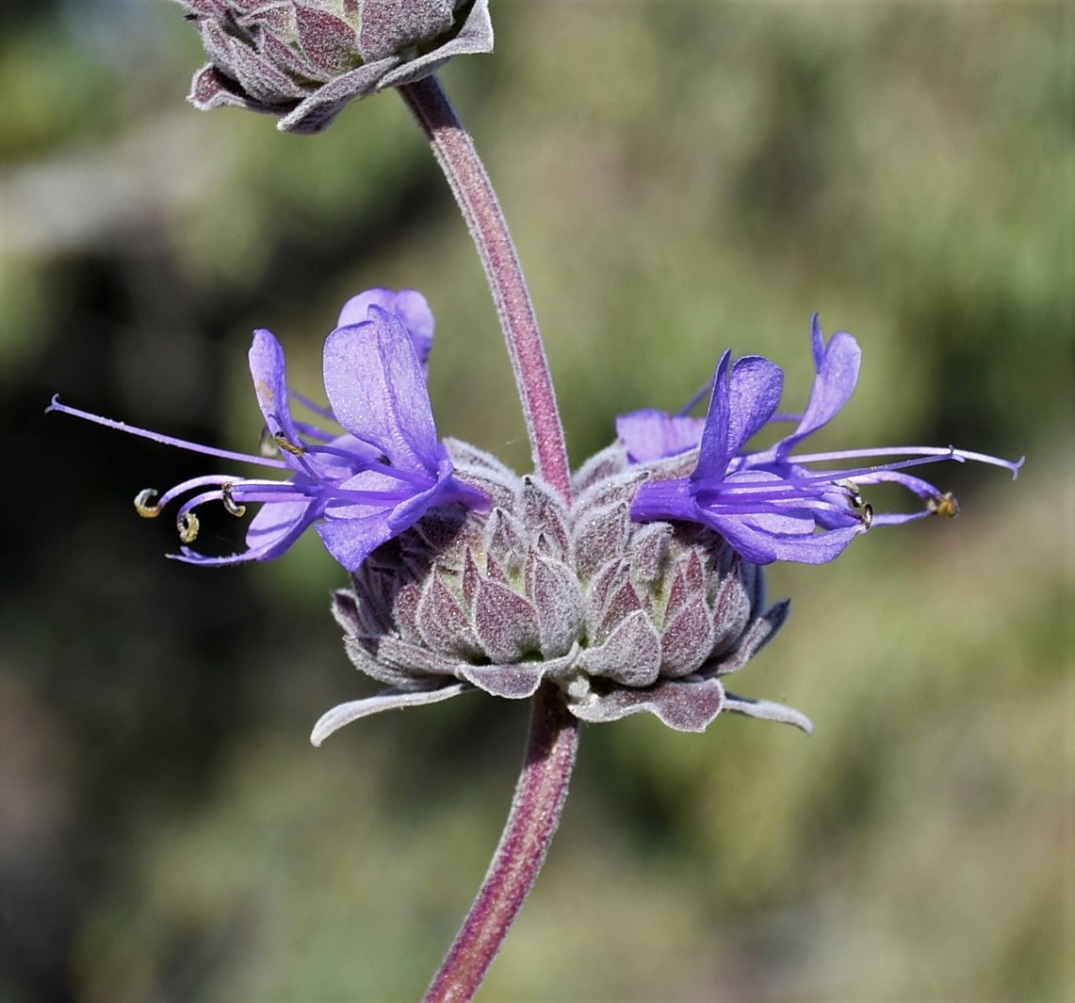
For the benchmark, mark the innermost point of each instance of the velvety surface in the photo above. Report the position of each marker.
(681, 179)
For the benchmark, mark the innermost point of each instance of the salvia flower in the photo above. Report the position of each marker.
(304, 62)
(624, 618)
(358, 484)
(774, 504)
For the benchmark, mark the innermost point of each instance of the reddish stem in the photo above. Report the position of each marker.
(466, 176)
(535, 814)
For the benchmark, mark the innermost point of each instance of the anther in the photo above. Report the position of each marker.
(143, 504)
(946, 504)
(233, 507)
(853, 494)
(290, 447)
(867, 515)
(188, 526)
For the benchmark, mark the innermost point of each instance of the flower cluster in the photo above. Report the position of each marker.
(304, 62)
(625, 618)
(640, 595)
(773, 505)
(360, 484)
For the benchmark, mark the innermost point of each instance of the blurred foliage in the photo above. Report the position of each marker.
(681, 178)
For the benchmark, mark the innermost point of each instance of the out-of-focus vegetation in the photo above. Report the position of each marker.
(681, 178)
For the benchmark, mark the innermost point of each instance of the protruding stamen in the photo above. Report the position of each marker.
(143, 504)
(946, 504)
(854, 496)
(285, 444)
(867, 515)
(167, 440)
(233, 507)
(188, 526)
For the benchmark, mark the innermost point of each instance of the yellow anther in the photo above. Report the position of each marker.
(143, 504)
(284, 443)
(946, 504)
(230, 503)
(188, 526)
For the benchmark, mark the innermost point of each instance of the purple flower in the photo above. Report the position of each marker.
(359, 488)
(623, 618)
(305, 62)
(771, 505)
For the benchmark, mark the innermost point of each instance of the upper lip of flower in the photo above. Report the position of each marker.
(358, 488)
(773, 505)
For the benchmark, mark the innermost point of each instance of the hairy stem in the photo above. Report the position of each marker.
(463, 168)
(535, 813)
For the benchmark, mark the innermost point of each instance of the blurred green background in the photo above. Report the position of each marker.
(681, 177)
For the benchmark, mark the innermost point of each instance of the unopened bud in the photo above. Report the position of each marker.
(304, 62)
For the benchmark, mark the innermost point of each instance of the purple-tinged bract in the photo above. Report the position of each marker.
(624, 618)
(772, 505)
(305, 62)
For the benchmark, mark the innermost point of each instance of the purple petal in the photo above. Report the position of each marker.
(817, 342)
(353, 530)
(378, 393)
(756, 385)
(650, 435)
(408, 305)
(763, 538)
(665, 500)
(269, 371)
(277, 526)
(745, 396)
(838, 366)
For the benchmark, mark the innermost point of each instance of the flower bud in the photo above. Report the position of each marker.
(305, 61)
(624, 617)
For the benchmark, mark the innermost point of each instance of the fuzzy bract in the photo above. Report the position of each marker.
(305, 62)
(624, 618)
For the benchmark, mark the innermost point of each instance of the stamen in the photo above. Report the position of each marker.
(946, 504)
(229, 503)
(167, 440)
(313, 432)
(284, 443)
(867, 516)
(324, 412)
(188, 526)
(696, 399)
(936, 452)
(853, 494)
(143, 504)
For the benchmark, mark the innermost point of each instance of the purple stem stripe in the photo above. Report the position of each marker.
(535, 814)
(470, 184)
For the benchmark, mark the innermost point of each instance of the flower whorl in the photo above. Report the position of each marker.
(623, 617)
(306, 61)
